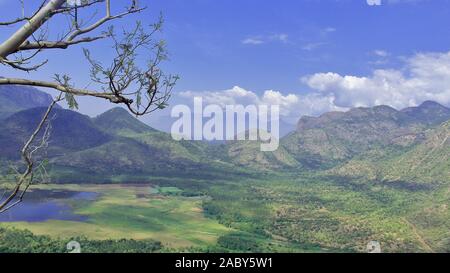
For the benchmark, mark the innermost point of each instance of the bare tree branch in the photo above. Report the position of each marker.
(59, 44)
(108, 17)
(26, 178)
(59, 87)
(20, 64)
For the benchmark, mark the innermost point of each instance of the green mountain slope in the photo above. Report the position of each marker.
(135, 151)
(70, 132)
(336, 137)
(428, 161)
(248, 154)
(116, 143)
(137, 159)
(112, 145)
(119, 121)
(124, 156)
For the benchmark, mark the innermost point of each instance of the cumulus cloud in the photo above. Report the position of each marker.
(292, 106)
(235, 95)
(425, 76)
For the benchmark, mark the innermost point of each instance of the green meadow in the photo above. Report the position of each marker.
(280, 213)
(133, 212)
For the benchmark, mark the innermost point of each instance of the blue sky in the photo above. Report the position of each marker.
(309, 56)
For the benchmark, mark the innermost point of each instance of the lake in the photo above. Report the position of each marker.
(43, 205)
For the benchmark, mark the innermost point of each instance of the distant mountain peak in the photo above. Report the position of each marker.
(70, 131)
(337, 136)
(117, 110)
(429, 112)
(431, 104)
(384, 108)
(117, 113)
(120, 121)
(427, 105)
(15, 98)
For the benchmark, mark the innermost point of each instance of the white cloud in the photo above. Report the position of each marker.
(292, 106)
(380, 53)
(425, 76)
(252, 41)
(263, 39)
(235, 95)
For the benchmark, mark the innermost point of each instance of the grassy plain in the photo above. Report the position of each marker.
(277, 213)
(133, 212)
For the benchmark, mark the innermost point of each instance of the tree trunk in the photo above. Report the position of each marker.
(21, 36)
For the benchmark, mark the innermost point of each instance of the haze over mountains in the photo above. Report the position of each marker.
(378, 143)
(17, 98)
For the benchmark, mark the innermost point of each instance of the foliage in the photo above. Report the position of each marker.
(239, 242)
(23, 241)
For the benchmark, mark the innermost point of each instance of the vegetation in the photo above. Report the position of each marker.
(23, 241)
(132, 212)
(281, 213)
(329, 189)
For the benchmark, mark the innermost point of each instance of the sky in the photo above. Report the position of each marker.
(308, 56)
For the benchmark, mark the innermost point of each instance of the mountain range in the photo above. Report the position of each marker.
(17, 98)
(378, 143)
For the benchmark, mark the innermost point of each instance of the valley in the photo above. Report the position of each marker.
(336, 183)
(278, 214)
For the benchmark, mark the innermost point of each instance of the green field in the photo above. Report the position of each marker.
(280, 213)
(134, 213)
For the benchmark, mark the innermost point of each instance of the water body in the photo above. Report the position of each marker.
(44, 205)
